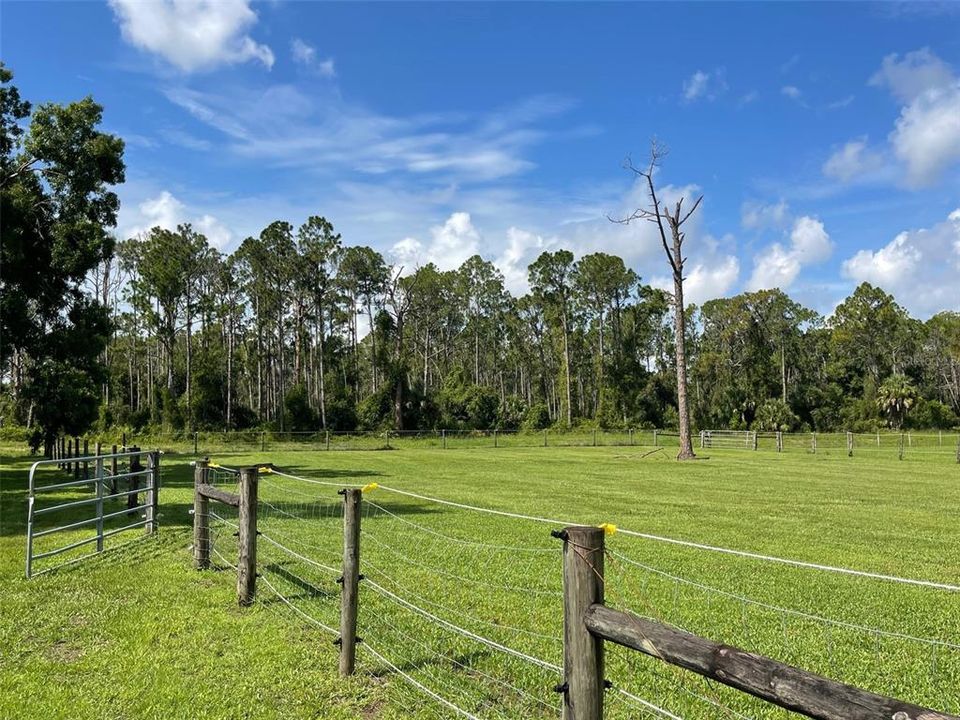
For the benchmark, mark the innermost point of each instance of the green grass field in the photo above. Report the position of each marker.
(136, 633)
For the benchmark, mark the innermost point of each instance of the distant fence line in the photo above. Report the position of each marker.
(200, 442)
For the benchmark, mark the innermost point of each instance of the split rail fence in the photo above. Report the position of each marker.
(589, 623)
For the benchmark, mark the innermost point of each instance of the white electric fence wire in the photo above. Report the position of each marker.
(797, 613)
(649, 705)
(415, 641)
(688, 543)
(297, 555)
(315, 482)
(370, 568)
(301, 613)
(423, 688)
(457, 629)
(453, 576)
(459, 541)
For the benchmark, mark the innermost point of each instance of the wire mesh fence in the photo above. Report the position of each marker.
(462, 607)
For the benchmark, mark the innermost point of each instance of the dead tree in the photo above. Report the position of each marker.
(666, 219)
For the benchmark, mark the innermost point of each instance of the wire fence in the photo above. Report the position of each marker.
(462, 606)
(937, 446)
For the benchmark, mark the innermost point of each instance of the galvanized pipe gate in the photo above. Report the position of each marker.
(104, 488)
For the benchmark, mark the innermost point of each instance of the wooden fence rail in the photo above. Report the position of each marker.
(788, 687)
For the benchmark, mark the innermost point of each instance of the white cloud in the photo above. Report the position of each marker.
(777, 266)
(217, 234)
(914, 75)
(454, 242)
(758, 216)
(853, 160)
(927, 134)
(167, 212)
(705, 85)
(408, 254)
(919, 267)
(791, 91)
(748, 98)
(192, 34)
(306, 55)
(523, 247)
(708, 281)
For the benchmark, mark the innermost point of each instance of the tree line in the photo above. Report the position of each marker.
(297, 329)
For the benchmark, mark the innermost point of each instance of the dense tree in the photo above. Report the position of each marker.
(297, 330)
(57, 208)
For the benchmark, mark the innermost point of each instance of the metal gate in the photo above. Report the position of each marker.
(67, 509)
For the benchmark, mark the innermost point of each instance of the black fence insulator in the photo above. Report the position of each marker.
(559, 534)
(561, 688)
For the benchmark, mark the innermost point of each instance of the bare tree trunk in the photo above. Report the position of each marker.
(679, 328)
(566, 369)
(783, 369)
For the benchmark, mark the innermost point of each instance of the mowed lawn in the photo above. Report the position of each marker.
(137, 633)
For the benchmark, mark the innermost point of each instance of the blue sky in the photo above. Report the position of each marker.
(824, 137)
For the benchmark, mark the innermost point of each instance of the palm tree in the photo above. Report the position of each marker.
(895, 397)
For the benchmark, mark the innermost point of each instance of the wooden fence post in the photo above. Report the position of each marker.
(443, 436)
(350, 580)
(196, 441)
(701, 439)
(327, 441)
(201, 517)
(263, 441)
(86, 463)
(900, 453)
(495, 441)
(544, 437)
(583, 681)
(779, 441)
(850, 444)
(631, 436)
(134, 484)
(247, 520)
(754, 439)
(813, 442)
(123, 440)
(654, 437)
(76, 454)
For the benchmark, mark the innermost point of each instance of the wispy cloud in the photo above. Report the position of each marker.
(841, 103)
(306, 55)
(790, 64)
(705, 85)
(283, 126)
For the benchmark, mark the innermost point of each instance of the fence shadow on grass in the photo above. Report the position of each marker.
(456, 661)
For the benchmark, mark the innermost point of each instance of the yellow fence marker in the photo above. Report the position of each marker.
(608, 528)
(368, 488)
